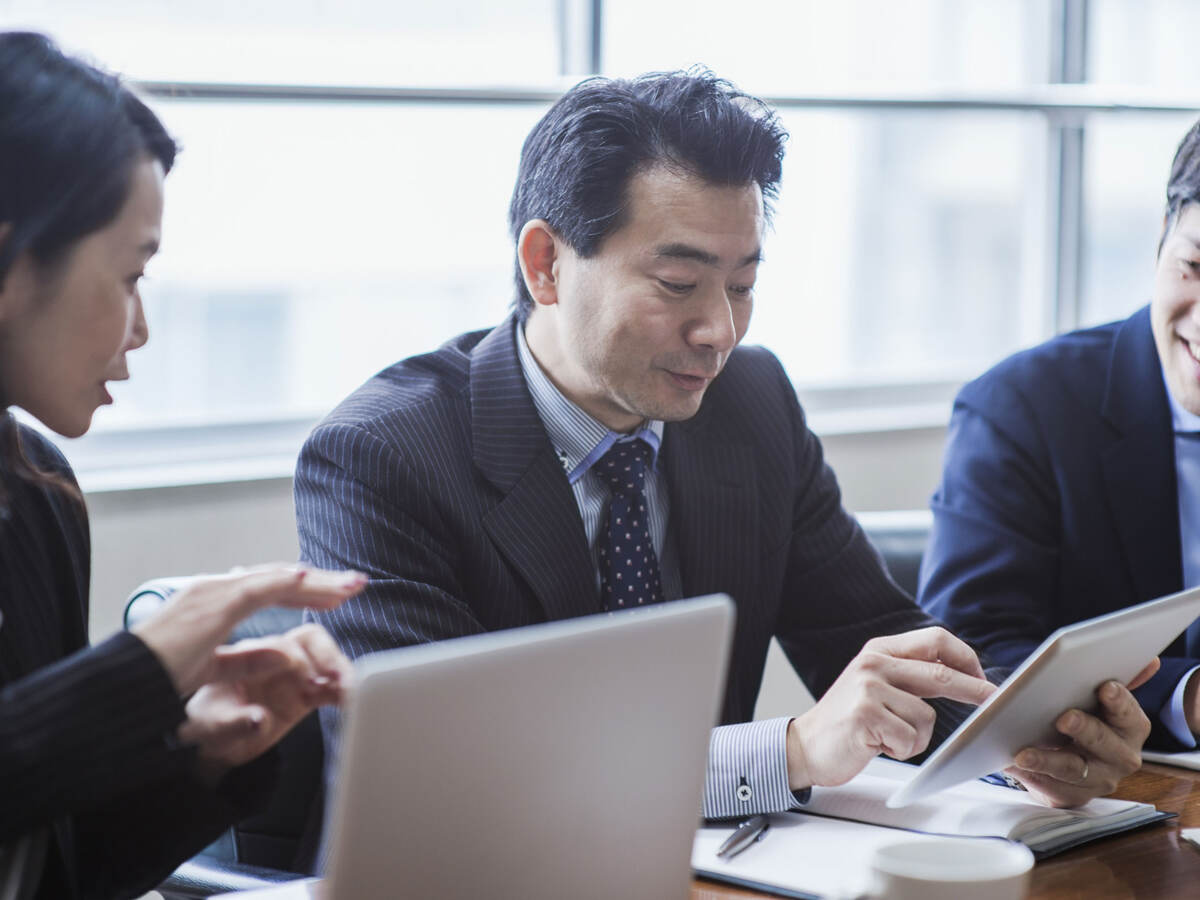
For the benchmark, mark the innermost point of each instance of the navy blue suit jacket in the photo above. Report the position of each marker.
(1058, 499)
(437, 479)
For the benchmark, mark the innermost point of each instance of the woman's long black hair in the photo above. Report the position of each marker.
(70, 139)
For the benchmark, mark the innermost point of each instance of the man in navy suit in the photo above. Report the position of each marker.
(1071, 485)
(476, 484)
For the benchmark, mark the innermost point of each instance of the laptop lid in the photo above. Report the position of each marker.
(560, 760)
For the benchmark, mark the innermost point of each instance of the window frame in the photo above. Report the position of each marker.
(124, 458)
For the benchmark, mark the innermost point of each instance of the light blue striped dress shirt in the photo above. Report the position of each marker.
(747, 763)
(1187, 484)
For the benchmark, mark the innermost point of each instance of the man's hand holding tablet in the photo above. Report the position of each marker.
(1102, 750)
(877, 705)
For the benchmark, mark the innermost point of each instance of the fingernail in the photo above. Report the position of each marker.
(1026, 759)
(1071, 722)
(1111, 691)
(318, 680)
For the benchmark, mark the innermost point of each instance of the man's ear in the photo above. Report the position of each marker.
(538, 248)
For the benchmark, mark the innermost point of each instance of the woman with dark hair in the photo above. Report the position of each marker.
(116, 761)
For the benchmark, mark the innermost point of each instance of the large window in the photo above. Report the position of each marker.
(308, 245)
(802, 45)
(907, 246)
(310, 42)
(964, 178)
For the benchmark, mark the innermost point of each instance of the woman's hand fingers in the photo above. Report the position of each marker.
(186, 631)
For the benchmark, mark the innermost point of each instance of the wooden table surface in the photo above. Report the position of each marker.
(1149, 863)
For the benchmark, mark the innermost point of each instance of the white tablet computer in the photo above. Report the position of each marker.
(1062, 673)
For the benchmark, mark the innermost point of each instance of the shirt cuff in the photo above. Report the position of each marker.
(747, 770)
(1173, 716)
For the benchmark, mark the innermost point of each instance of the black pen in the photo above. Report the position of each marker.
(746, 834)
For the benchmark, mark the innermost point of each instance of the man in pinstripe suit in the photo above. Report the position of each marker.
(465, 482)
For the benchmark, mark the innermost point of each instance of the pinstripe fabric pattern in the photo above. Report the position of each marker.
(576, 436)
(751, 757)
(438, 479)
(85, 729)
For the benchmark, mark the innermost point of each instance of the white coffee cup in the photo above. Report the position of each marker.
(951, 869)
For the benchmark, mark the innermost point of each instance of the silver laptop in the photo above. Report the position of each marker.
(560, 760)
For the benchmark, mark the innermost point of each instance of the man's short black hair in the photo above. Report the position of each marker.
(1183, 187)
(578, 160)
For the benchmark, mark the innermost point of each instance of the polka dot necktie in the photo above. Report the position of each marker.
(628, 565)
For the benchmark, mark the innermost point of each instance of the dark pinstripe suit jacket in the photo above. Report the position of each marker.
(437, 478)
(85, 733)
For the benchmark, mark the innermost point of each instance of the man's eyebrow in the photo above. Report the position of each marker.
(687, 251)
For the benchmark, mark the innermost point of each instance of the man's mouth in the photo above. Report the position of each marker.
(689, 381)
(1193, 348)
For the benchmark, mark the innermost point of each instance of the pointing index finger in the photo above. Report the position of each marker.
(296, 588)
(936, 679)
(322, 589)
(933, 644)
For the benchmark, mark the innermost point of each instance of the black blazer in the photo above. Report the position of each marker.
(437, 479)
(1058, 499)
(87, 750)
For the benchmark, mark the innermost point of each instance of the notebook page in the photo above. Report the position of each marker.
(826, 857)
(974, 808)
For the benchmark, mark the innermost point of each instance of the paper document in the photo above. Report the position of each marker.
(976, 809)
(1188, 759)
(799, 856)
(826, 849)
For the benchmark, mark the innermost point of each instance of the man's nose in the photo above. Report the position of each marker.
(714, 327)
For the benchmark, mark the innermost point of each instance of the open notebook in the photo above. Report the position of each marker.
(978, 809)
(823, 849)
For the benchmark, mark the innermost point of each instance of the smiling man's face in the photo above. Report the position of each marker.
(1175, 309)
(641, 328)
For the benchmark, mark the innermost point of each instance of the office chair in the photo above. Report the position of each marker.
(265, 849)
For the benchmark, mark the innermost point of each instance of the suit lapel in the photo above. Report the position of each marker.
(536, 524)
(714, 508)
(1139, 466)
